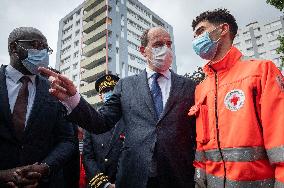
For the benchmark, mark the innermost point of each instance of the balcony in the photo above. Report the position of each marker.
(91, 62)
(94, 35)
(94, 47)
(89, 15)
(89, 4)
(88, 89)
(91, 75)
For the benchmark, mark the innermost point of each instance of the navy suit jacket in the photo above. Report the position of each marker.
(172, 135)
(48, 138)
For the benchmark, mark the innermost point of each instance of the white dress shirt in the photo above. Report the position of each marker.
(13, 83)
(164, 82)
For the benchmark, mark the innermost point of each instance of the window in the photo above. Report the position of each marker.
(248, 41)
(76, 54)
(262, 55)
(275, 24)
(67, 39)
(65, 50)
(249, 49)
(67, 29)
(65, 70)
(258, 38)
(77, 22)
(274, 42)
(75, 65)
(75, 77)
(76, 43)
(77, 32)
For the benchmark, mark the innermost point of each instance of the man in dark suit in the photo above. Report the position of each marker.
(33, 130)
(101, 152)
(159, 147)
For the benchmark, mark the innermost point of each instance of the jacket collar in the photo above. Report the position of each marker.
(225, 63)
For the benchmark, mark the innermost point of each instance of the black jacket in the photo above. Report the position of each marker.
(48, 138)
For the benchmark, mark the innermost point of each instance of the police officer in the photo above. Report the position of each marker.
(101, 152)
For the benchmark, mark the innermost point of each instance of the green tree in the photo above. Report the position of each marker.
(279, 4)
(197, 76)
(280, 50)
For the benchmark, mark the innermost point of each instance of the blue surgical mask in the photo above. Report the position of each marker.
(205, 47)
(107, 95)
(36, 59)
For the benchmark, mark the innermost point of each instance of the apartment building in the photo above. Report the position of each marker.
(120, 28)
(69, 45)
(260, 40)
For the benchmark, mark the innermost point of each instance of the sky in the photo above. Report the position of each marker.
(45, 15)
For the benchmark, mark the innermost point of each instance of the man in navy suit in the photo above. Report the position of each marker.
(32, 128)
(158, 151)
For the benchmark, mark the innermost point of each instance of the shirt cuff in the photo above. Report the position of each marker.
(106, 185)
(71, 102)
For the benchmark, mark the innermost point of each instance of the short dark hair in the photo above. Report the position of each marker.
(21, 32)
(218, 16)
(144, 38)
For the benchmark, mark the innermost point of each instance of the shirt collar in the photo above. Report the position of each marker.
(16, 75)
(150, 72)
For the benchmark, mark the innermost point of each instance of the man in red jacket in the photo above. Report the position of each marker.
(238, 107)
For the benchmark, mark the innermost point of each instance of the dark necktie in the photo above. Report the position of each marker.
(20, 108)
(157, 94)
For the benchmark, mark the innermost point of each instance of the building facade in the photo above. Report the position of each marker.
(260, 40)
(120, 27)
(69, 45)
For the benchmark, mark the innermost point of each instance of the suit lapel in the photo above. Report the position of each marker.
(176, 87)
(144, 92)
(5, 111)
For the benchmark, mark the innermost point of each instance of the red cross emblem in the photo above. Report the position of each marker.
(234, 100)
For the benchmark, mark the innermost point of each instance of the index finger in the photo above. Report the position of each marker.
(47, 72)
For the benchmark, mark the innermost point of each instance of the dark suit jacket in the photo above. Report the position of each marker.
(48, 138)
(173, 134)
(71, 170)
(101, 152)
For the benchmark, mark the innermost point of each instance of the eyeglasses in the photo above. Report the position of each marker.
(36, 44)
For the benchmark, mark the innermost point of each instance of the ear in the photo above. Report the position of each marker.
(12, 48)
(142, 50)
(225, 29)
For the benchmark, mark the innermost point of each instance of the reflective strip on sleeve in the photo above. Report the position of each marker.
(278, 184)
(200, 178)
(276, 154)
(217, 182)
(200, 156)
(237, 154)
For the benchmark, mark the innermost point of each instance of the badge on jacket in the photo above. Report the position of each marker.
(234, 100)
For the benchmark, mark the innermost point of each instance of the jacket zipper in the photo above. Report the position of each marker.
(217, 127)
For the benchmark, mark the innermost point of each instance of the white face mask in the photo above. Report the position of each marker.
(162, 58)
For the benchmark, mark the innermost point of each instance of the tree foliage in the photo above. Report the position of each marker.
(279, 4)
(197, 76)
(280, 50)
